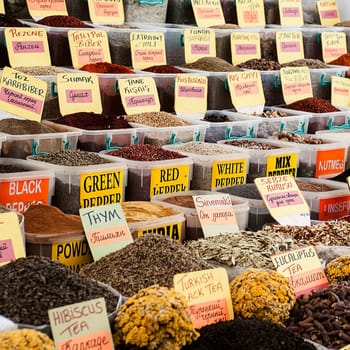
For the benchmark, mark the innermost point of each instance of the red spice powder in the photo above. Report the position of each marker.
(343, 60)
(63, 21)
(105, 67)
(165, 68)
(312, 105)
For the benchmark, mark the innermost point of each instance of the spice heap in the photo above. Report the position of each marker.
(271, 114)
(156, 119)
(260, 64)
(14, 126)
(211, 64)
(307, 186)
(251, 144)
(298, 138)
(163, 69)
(312, 105)
(41, 70)
(106, 67)
(343, 60)
(63, 21)
(216, 118)
(151, 259)
(203, 148)
(262, 294)
(248, 334)
(248, 191)
(306, 62)
(33, 285)
(26, 339)
(323, 316)
(338, 269)
(155, 318)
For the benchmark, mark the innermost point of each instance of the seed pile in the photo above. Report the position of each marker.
(14, 126)
(41, 70)
(297, 138)
(156, 119)
(306, 62)
(251, 144)
(312, 187)
(212, 64)
(260, 64)
(338, 269)
(203, 148)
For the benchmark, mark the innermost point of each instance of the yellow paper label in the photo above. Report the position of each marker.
(347, 347)
(296, 83)
(22, 94)
(88, 46)
(139, 95)
(246, 89)
(244, 47)
(106, 11)
(208, 12)
(73, 254)
(11, 240)
(169, 180)
(286, 164)
(250, 13)
(340, 91)
(78, 93)
(328, 12)
(2, 7)
(191, 94)
(147, 49)
(43, 8)
(199, 42)
(173, 231)
(291, 13)
(333, 45)
(208, 295)
(229, 173)
(289, 46)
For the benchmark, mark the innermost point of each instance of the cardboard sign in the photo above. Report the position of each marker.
(340, 93)
(78, 326)
(198, 43)
(284, 200)
(22, 94)
(330, 162)
(42, 8)
(250, 13)
(78, 92)
(147, 49)
(172, 230)
(303, 268)
(208, 12)
(333, 45)
(246, 90)
(216, 214)
(106, 11)
(139, 95)
(289, 46)
(11, 240)
(286, 164)
(333, 208)
(328, 12)
(208, 295)
(2, 7)
(291, 13)
(229, 173)
(296, 83)
(105, 228)
(244, 47)
(88, 46)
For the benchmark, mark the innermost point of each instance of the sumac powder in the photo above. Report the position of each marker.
(106, 67)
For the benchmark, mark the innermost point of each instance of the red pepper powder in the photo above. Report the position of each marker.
(343, 60)
(63, 21)
(165, 68)
(105, 67)
(312, 105)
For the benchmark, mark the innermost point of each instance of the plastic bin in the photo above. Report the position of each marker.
(183, 201)
(153, 11)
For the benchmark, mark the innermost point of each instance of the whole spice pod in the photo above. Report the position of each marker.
(155, 318)
(338, 269)
(262, 294)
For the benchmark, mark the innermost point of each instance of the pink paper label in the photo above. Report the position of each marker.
(27, 46)
(251, 16)
(341, 91)
(334, 51)
(83, 342)
(283, 199)
(329, 14)
(296, 88)
(79, 96)
(200, 49)
(148, 55)
(6, 251)
(91, 55)
(245, 49)
(20, 100)
(217, 216)
(291, 12)
(47, 5)
(209, 13)
(139, 101)
(290, 46)
(246, 88)
(108, 235)
(106, 9)
(191, 91)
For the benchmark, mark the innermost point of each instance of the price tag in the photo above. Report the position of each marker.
(191, 94)
(291, 13)
(27, 47)
(286, 164)
(22, 94)
(303, 268)
(340, 95)
(11, 240)
(105, 228)
(244, 47)
(42, 8)
(88, 46)
(208, 12)
(139, 95)
(199, 42)
(2, 7)
(284, 200)
(247, 94)
(106, 11)
(328, 12)
(330, 162)
(79, 325)
(250, 13)
(208, 295)
(147, 49)
(216, 214)
(333, 45)
(78, 92)
(289, 46)
(296, 83)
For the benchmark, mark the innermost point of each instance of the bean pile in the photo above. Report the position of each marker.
(297, 138)
(151, 259)
(271, 114)
(33, 285)
(156, 119)
(260, 64)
